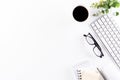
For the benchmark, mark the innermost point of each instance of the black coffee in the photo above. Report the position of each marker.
(80, 13)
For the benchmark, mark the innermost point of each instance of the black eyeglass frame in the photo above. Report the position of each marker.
(95, 43)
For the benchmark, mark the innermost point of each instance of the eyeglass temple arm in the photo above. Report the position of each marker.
(85, 35)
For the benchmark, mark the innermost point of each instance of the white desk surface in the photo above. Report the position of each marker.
(40, 40)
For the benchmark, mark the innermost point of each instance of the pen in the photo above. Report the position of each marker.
(101, 74)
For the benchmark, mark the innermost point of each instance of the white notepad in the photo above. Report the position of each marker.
(87, 71)
(88, 75)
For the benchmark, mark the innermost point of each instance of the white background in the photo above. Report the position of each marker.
(40, 40)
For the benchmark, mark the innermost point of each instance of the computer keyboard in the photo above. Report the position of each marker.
(109, 35)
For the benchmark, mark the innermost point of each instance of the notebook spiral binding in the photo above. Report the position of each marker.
(79, 74)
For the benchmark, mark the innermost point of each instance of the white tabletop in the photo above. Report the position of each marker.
(40, 40)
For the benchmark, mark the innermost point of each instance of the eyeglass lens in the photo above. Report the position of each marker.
(90, 40)
(97, 52)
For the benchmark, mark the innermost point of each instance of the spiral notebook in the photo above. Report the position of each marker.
(88, 75)
(86, 71)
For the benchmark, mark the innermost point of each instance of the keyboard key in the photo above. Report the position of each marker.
(100, 22)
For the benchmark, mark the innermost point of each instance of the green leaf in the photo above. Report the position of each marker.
(103, 11)
(115, 4)
(107, 11)
(117, 13)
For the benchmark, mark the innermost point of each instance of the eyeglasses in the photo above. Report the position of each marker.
(91, 41)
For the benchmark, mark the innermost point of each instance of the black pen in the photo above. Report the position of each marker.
(101, 74)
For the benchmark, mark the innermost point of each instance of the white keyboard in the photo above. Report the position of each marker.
(109, 35)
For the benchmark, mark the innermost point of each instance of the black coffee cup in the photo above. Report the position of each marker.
(80, 13)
